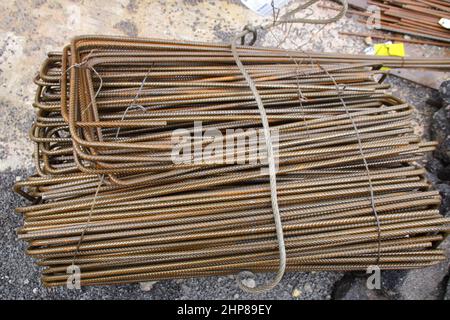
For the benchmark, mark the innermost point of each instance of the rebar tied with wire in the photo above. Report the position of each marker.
(108, 197)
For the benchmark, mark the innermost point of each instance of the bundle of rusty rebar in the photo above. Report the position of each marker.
(417, 18)
(108, 198)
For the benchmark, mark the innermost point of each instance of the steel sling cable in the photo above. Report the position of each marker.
(272, 176)
(370, 186)
(340, 89)
(267, 135)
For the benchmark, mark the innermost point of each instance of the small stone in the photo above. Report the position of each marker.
(26, 281)
(369, 50)
(308, 288)
(444, 91)
(147, 286)
(35, 290)
(296, 293)
(368, 41)
(185, 288)
(249, 283)
(236, 296)
(447, 294)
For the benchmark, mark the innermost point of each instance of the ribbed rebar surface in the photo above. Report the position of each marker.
(108, 197)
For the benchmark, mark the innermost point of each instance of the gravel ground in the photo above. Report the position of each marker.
(29, 29)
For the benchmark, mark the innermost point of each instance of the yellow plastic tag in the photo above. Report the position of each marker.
(394, 50)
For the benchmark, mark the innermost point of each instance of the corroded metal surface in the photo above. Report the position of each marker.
(118, 207)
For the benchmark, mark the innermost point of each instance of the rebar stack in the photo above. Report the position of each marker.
(108, 198)
(417, 18)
